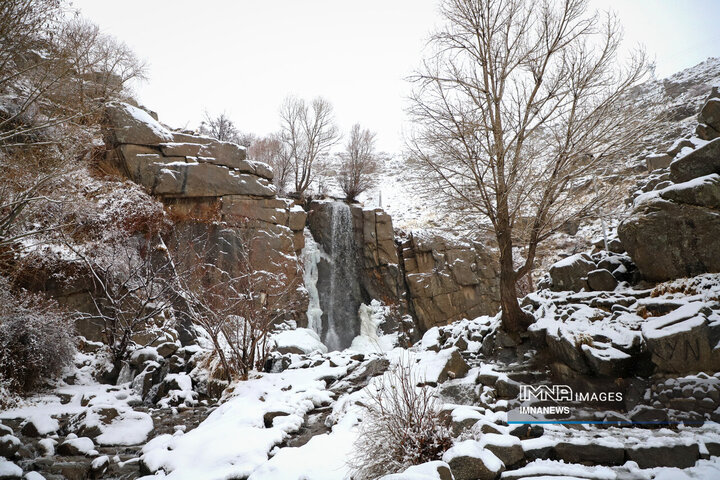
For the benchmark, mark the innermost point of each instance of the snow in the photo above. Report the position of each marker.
(303, 339)
(369, 341)
(44, 423)
(33, 476)
(47, 445)
(465, 412)
(474, 449)
(682, 319)
(431, 338)
(233, 440)
(424, 471)
(142, 116)
(557, 469)
(312, 460)
(84, 445)
(9, 469)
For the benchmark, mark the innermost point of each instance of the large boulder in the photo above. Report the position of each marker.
(702, 191)
(9, 445)
(129, 124)
(698, 163)
(601, 280)
(208, 180)
(468, 460)
(571, 273)
(669, 240)
(710, 112)
(680, 341)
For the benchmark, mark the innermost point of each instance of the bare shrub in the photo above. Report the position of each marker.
(402, 426)
(359, 163)
(133, 291)
(36, 340)
(237, 309)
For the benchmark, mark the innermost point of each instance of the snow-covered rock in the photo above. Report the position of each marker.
(299, 341)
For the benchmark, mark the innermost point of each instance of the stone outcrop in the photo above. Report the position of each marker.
(675, 224)
(214, 193)
(437, 279)
(448, 280)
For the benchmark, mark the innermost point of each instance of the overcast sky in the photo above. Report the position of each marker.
(244, 56)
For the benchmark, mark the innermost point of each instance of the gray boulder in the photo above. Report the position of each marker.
(657, 161)
(678, 456)
(468, 460)
(698, 163)
(710, 114)
(9, 445)
(669, 240)
(571, 272)
(680, 340)
(135, 125)
(601, 280)
(703, 191)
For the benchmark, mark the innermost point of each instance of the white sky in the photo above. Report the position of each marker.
(244, 56)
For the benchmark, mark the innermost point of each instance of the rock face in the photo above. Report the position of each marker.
(214, 193)
(674, 227)
(448, 280)
(438, 280)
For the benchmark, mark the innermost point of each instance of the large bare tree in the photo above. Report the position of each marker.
(520, 104)
(309, 131)
(360, 162)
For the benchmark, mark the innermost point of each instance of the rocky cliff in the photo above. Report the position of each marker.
(675, 224)
(214, 194)
(437, 279)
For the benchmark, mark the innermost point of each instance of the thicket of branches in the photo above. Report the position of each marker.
(520, 104)
(36, 340)
(237, 306)
(402, 426)
(308, 131)
(359, 163)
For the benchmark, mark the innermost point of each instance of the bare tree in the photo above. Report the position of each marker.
(220, 127)
(237, 309)
(274, 152)
(359, 164)
(521, 104)
(309, 131)
(134, 290)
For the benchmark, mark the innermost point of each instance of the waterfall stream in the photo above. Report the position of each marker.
(342, 308)
(331, 277)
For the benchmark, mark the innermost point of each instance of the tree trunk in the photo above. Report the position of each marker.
(512, 314)
(514, 319)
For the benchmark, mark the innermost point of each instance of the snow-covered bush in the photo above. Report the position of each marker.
(402, 427)
(36, 340)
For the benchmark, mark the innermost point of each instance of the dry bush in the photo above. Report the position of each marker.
(36, 340)
(274, 152)
(237, 308)
(402, 427)
(132, 291)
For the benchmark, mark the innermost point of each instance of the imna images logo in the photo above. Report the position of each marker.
(544, 393)
(564, 393)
